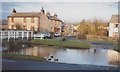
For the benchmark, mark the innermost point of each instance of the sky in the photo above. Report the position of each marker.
(66, 11)
(60, 0)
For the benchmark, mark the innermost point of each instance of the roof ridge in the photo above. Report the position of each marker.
(27, 12)
(114, 18)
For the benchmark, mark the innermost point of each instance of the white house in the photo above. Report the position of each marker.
(114, 26)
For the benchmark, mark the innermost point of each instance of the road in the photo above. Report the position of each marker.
(9, 64)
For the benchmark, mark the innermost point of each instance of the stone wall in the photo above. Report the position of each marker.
(101, 38)
(113, 57)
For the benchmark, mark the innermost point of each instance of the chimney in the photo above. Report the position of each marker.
(14, 11)
(55, 15)
(42, 11)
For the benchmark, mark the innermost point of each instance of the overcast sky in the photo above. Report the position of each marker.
(69, 11)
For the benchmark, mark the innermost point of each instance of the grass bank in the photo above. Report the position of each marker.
(66, 44)
(22, 57)
(108, 42)
(117, 46)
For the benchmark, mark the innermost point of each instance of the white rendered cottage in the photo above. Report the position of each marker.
(114, 26)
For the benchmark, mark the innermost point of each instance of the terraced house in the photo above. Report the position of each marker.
(36, 21)
(114, 27)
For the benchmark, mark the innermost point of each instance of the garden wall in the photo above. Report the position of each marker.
(101, 38)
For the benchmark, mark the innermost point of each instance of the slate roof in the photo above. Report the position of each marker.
(32, 14)
(25, 14)
(115, 19)
(54, 18)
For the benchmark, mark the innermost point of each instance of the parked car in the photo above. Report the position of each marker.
(42, 35)
(47, 35)
(39, 36)
(57, 34)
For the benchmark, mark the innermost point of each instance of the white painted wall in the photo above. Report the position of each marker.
(112, 29)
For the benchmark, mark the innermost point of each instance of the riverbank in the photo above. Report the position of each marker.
(75, 44)
(10, 64)
(22, 57)
(117, 46)
(60, 43)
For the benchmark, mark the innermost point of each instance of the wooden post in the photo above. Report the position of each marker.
(27, 35)
(1, 36)
(31, 34)
(22, 35)
(14, 35)
(8, 35)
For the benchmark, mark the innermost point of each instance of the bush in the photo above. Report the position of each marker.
(101, 38)
(81, 36)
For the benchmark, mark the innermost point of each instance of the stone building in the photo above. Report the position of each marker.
(36, 21)
(114, 26)
(3, 25)
(70, 29)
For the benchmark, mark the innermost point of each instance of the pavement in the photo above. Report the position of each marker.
(9, 64)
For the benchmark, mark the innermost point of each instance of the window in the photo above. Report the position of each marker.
(115, 33)
(116, 25)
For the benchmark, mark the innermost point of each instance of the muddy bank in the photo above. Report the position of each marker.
(114, 57)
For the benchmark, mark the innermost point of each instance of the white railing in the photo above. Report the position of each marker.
(7, 34)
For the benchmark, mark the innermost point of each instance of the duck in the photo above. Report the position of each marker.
(49, 59)
(51, 56)
(56, 59)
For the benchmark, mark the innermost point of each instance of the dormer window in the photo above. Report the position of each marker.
(55, 15)
(115, 25)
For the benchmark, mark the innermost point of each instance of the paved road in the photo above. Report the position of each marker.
(9, 64)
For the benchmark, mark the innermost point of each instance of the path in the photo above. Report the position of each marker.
(9, 64)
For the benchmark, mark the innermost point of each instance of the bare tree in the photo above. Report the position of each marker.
(18, 26)
(96, 27)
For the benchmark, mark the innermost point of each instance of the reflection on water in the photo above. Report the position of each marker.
(38, 51)
(65, 55)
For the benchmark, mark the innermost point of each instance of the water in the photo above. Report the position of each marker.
(64, 55)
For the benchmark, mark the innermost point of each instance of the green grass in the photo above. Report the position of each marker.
(22, 57)
(66, 44)
(101, 41)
